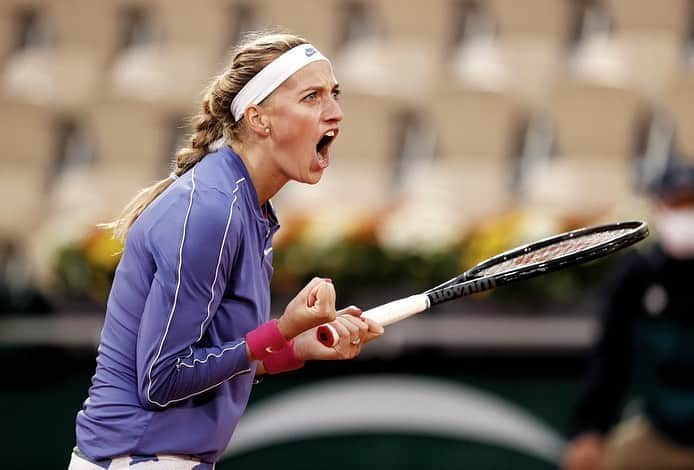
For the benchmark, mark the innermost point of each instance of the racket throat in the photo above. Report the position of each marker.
(461, 290)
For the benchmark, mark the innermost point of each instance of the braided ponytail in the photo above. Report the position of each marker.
(215, 119)
(208, 127)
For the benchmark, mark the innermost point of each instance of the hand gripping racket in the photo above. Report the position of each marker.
(524, 262)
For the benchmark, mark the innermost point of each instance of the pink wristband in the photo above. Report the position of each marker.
(282, 361)
(266, 340)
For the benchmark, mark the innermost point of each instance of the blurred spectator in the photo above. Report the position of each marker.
(646, 346)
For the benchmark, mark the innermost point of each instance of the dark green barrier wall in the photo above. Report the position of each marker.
(42, 389)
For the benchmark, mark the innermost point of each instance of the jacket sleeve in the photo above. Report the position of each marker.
(194, 248)
(608, 374)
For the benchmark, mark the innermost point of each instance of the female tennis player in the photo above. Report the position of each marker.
(187, 324)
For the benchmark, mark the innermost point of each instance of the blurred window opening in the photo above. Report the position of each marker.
(33, 30)
(595, 54)
(535, 148)
(137, 28)
(242, 19)
(75, 150)
(359, 23)
(652, 152)
(475, 57)
(590, 19)
(473, 21)
(416, 144)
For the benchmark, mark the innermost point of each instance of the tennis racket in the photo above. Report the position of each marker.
(524, 262)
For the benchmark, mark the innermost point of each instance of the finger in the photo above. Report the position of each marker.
(309, 291)
(349, 341)
(358, 322)
(325, 300)
(327, 334)
(342, 331)
(353, 329)
(373, 326)
(324, 293)
(375, 330)
(351, 310)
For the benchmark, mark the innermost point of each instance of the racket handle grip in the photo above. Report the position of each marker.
(384, 315)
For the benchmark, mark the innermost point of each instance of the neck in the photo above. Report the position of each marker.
(266, 180)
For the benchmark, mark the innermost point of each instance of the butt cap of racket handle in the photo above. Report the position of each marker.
(327, 335)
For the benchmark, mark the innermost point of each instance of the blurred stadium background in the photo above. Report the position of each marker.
(471, 126)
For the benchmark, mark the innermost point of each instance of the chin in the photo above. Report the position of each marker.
(314, 179)
(313, 176)
(310, 179)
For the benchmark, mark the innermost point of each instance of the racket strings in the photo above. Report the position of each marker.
(566, 247)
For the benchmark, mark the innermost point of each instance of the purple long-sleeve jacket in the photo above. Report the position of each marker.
(172, 374)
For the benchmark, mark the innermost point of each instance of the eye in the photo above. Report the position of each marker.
(336, 94)
(311, 96)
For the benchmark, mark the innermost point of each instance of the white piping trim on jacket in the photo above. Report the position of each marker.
(173, 309)
(244, 371)
(178, 286)
(196, 360)
(216, 274)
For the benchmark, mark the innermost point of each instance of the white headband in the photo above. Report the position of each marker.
(273, 75)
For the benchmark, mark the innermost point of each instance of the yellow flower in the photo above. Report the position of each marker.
(102, 250)
(492, 237)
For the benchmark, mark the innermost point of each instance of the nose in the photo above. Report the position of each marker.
(333, 111)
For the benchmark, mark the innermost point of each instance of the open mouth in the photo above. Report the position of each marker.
(323, 147)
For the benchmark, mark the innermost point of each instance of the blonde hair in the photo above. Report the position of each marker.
(215, 119)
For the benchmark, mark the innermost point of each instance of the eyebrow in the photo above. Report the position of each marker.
(335, 87)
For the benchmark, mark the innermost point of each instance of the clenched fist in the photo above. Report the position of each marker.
(313, 306)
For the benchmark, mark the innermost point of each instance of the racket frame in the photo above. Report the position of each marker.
(471, 282)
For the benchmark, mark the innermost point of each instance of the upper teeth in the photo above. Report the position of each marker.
(330, 133)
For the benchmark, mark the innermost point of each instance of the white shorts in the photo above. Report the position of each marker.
(162, 462)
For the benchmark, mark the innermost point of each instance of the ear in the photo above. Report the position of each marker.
(256, 121)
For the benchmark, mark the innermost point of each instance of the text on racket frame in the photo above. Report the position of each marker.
(462, 290)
